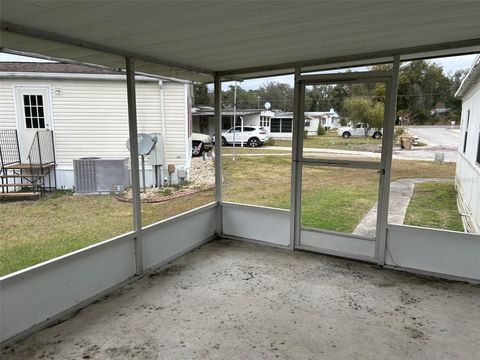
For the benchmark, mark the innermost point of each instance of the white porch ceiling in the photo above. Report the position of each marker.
(194, 39)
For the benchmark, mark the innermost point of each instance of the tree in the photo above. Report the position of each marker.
(278, 94)
(421, 85)
(200, 94)
(339, 93)
(318, 98)
(376, 115)
(452, 102)
(245, 99)
(366, 111)
(457, 78)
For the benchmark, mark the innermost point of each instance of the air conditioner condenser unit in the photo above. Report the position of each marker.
(94, 175)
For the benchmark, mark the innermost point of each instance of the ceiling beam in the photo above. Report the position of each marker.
(28, 31)
(464, 46)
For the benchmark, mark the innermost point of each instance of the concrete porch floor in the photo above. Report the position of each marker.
(233, 300)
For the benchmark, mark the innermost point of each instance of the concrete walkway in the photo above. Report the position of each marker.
(401, 192)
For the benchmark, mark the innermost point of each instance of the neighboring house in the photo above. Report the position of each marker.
(86, 107)
(328, 119)
(278, 123)
(439, 109)
(467, 177)
(281, 123)
(204, 119)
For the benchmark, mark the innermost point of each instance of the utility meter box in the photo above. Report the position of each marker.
(157, 155)
(181, 174)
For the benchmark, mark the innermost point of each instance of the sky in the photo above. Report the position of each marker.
(450, 65)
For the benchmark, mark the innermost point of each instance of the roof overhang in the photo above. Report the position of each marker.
(472, 76)
(237, 39)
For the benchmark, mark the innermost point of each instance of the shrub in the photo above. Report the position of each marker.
(423, 117)
(165, 191)
(321, 130)
(399, 132)
(305, 134)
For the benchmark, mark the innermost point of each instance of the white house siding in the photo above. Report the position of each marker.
(176, 115)
(7, 106)
(90, 118)
(313, 128)
(468, 170)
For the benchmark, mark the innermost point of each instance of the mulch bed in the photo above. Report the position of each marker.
(160, 198)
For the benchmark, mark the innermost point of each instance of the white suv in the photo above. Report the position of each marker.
(253, 136)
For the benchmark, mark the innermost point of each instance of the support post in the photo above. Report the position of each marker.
(386, 164)
(54, 159)
(134, 164)
(37, 136)
(235, 120)
(218, 152)
(295, 183)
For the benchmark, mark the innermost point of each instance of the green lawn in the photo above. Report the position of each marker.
(57, 224)
(333, 198)
(333, 141)
(328, 141)
(342, 195)
(247, 150)
(434, 204)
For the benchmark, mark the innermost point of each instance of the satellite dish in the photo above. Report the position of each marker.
(267, 105)
(146, 142)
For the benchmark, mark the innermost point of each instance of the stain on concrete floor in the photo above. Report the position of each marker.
(232, 300)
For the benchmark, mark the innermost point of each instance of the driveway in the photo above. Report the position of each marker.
(437, 136)
(439, 139)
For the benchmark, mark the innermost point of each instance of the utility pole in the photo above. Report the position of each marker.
(235, 119)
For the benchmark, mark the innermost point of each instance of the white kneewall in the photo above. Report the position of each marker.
(437, 252)
(258, 223)
(32, 298)
(34, 295)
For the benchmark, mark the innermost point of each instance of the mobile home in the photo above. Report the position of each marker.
(86, 110)
(467, 176)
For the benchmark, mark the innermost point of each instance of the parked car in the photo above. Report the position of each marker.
(253, 136)
(359, 130)
(201, 143)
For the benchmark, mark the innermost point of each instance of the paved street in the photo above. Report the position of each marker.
(439, 139)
